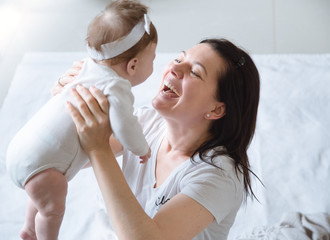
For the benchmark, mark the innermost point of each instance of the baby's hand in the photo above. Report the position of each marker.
(145, 157)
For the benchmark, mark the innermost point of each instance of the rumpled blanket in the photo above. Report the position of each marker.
(293, 226)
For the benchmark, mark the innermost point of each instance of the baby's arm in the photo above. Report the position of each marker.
(124, 124)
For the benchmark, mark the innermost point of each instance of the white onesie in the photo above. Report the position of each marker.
(50, 139)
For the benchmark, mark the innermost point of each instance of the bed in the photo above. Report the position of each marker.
(290, 151)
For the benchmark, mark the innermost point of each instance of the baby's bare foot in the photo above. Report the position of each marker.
(27, 235)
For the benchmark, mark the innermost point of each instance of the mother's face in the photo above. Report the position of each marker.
(189, 83)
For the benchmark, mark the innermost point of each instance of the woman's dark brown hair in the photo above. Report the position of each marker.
(239, 89)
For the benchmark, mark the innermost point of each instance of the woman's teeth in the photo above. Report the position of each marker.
(172, 88)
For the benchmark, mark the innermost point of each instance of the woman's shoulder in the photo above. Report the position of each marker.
(148, 116)
(151, 122)
(220, 164)
(144, 111)
(212, 159)
(220, 168)
(218, 188)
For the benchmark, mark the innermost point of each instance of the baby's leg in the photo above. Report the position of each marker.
(47, 191)
(28, 232)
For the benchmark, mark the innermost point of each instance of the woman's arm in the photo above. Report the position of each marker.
(115, 145)
(180, 218)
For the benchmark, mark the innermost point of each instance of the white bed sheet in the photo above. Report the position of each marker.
(290, 152)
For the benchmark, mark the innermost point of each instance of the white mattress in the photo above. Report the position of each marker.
(290, 151)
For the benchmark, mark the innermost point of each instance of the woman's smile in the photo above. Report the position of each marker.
(170, 90)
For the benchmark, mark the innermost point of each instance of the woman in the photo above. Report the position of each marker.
(199, 129)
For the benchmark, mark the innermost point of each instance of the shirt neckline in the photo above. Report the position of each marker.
(154, 157)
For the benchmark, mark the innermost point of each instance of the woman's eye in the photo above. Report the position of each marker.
(195, 74)
(177, 60)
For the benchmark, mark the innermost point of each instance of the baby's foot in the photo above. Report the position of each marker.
(26, 234)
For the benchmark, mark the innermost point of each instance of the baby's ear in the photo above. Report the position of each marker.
(132, 66)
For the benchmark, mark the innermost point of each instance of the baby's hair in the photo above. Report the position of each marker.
(115, 22)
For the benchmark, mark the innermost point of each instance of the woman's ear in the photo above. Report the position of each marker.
(219, 111)
(132, 66)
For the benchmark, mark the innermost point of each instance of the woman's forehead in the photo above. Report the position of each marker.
(204, 54)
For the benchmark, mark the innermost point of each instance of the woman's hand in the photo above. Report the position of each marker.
(68, 77)
(91, 118)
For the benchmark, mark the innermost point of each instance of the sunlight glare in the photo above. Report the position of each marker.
(9, 20)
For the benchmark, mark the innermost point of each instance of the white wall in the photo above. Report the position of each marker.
(260, 26)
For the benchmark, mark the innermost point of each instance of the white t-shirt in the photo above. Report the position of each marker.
(218, 190)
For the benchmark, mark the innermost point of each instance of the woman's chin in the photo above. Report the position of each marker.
(156, 103)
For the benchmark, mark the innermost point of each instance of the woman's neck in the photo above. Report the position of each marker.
(178, 145)
(186, 139)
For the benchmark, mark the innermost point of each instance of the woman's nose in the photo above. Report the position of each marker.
(177, 70)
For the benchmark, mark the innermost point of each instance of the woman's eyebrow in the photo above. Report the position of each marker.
(196, 62)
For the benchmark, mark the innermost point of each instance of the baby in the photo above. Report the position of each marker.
(45, 154)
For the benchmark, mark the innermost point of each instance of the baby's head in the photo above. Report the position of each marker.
(123, 35)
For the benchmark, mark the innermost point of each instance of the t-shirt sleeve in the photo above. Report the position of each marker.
(214, 189)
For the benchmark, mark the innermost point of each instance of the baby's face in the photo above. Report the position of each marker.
(146, 63)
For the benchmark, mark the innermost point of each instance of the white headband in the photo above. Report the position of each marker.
(113, 49)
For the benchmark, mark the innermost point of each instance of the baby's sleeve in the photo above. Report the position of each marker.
(124, 123)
